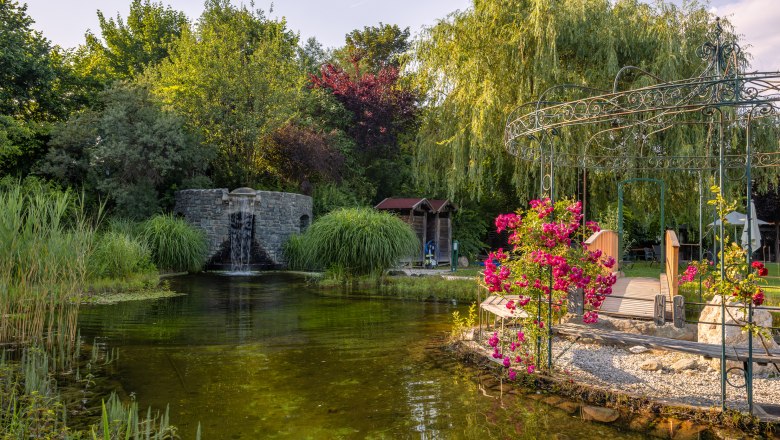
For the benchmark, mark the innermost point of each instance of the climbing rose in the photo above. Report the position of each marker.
(757, 264)
(763, 272)
(758, 298)
(512, 374)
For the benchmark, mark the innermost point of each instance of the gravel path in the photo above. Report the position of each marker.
(620, 369)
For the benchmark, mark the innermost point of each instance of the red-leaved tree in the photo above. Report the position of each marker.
(381, 109)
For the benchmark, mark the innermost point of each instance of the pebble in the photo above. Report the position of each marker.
(639, 349)
(615, 367)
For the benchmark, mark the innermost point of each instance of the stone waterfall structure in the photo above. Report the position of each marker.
(246, 229)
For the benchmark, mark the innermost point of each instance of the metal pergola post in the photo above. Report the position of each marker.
(623, 130)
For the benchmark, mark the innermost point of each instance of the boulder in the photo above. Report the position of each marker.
(463, 262)
(638, 349)
(650, 365)
(599, 414)
(735, 336)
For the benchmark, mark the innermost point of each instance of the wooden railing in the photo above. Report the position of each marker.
(607, 242)
(672, 257)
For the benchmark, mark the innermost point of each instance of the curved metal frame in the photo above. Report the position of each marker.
(619, 125)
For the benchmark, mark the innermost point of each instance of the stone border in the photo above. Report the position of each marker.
(659, 417)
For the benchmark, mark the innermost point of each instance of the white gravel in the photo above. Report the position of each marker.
(618, 368)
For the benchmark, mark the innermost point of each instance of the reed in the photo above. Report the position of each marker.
(175, 244)
(45, 241)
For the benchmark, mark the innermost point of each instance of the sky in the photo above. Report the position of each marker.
(65, 21)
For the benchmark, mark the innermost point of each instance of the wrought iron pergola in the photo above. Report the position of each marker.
(630, 130)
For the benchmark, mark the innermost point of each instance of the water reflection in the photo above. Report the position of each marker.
(268, 357)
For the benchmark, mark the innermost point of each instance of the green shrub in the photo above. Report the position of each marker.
(175, 244)
(358, 241)
(119, 255)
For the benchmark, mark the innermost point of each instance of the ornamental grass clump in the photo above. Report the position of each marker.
(119, 255)
(547, 260)
(359, 241)
(175, 244)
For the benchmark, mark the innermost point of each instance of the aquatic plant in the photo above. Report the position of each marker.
(175, 244)
(357, 241)
(545, 263)
(45, 241)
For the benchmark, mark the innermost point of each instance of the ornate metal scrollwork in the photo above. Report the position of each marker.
(629, 124)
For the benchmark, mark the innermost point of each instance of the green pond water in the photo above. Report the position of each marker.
(268, 357)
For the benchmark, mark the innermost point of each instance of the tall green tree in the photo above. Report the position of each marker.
(129, 151)
(374, 47)
(476, 66)
(236, 78)
(125, 48)
(37, 88)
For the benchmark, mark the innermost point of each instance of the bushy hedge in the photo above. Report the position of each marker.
(353, 242)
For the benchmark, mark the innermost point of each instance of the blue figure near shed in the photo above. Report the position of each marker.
(431, 220)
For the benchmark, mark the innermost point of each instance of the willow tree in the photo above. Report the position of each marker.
(477, 65)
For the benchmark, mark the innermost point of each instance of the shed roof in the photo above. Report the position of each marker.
(406, 203)
(442, 205)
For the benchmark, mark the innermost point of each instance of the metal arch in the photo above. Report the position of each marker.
(722, 96)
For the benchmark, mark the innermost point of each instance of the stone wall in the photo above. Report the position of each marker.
(277, 215)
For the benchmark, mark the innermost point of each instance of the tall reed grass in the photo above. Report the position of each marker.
(354, 242)
(45, 241)
(175, 244)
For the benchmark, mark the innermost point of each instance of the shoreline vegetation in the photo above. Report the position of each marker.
(56, 255)
(632, 411)
(421, 288)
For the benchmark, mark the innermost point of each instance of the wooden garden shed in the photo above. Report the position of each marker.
(439, 228)
(415, 212)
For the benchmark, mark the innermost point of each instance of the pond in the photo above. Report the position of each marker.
(267, 356)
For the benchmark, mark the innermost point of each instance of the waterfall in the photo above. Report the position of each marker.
(241, 223)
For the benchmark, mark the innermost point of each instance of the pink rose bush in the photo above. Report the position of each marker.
(547, 259)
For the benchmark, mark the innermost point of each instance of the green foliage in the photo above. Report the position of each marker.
(479, 64)
(235, 77)
(27, 74)
(175, 244)
(128, 48)
(119, 255)
(45, 241)
(374, 47)
(329, 197)
(469, 227)
(358, 241)
(21, 144)
(297, 254)
(462, 324)
(129, 150)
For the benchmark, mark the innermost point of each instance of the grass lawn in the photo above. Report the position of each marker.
(471, 271)
(642, 269)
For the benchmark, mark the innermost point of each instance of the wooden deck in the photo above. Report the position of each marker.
(634, 298)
